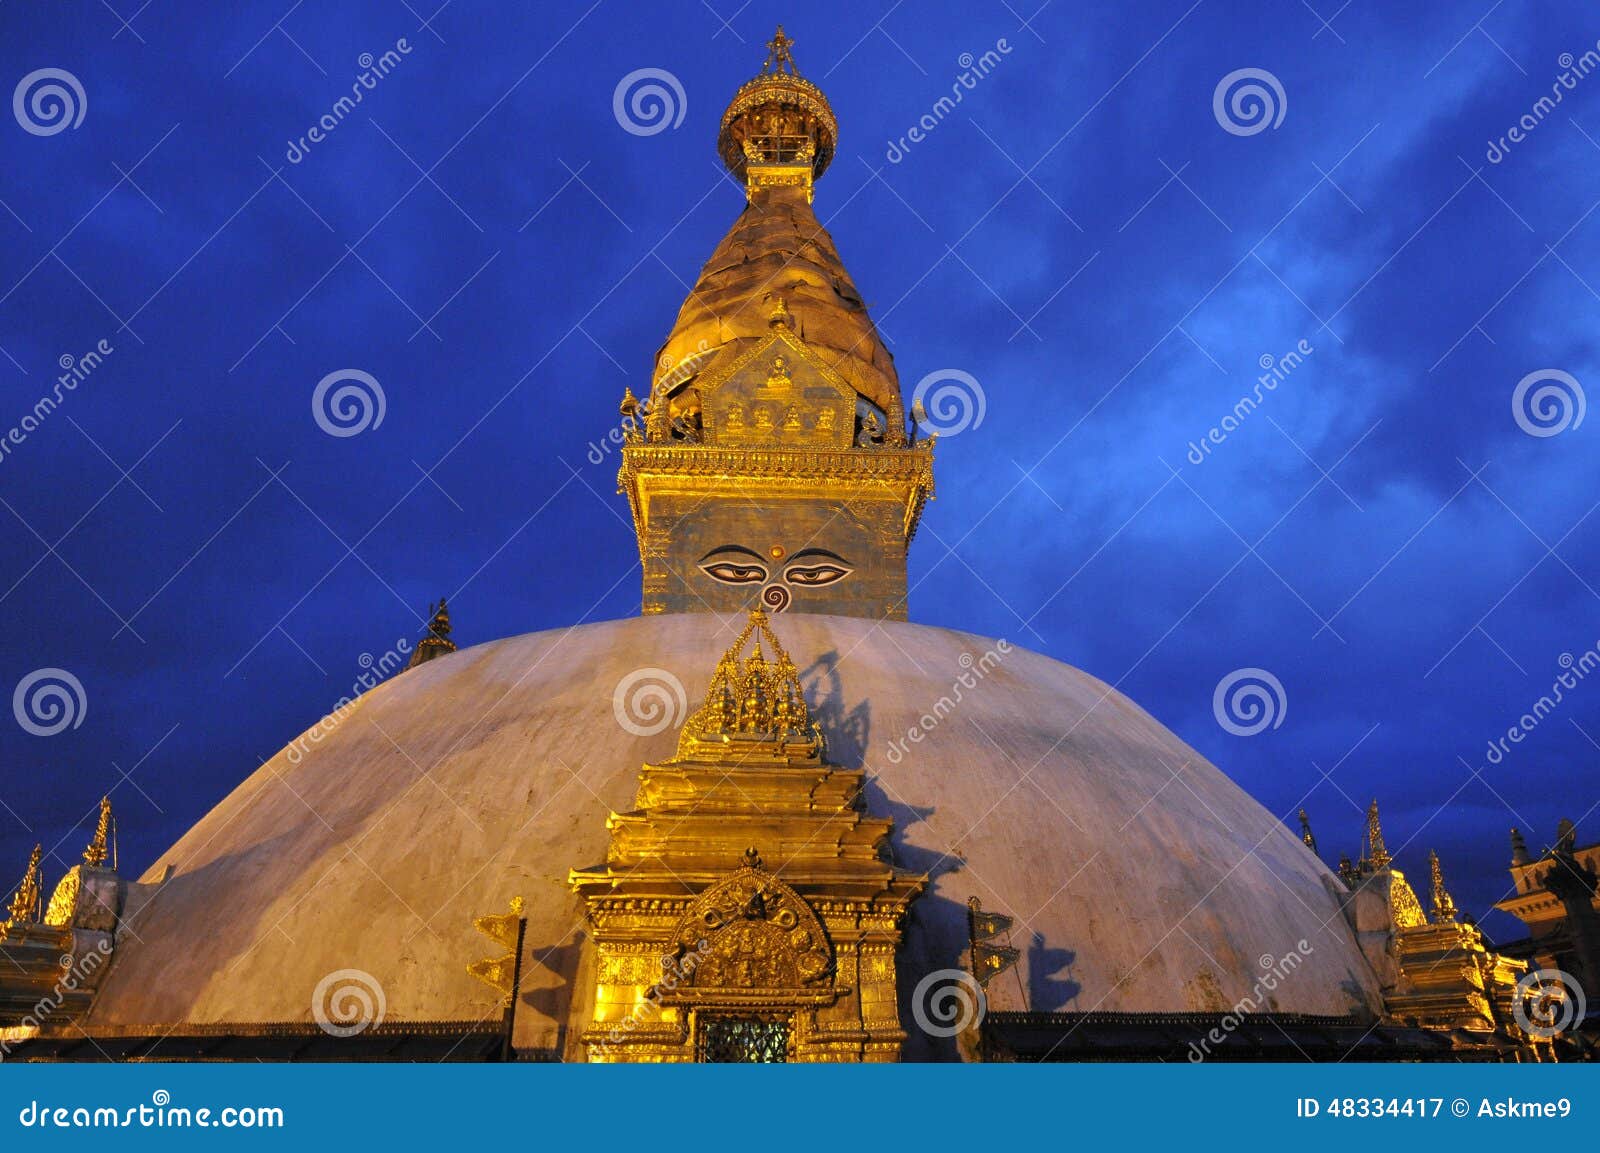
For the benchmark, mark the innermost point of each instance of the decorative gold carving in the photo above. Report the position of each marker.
(436, 641)
(759, 933)
(751, 700)
(95, 855)
(1404, 907)
(506, 930)
(26, 902)
(64, 901)
(1444, 906)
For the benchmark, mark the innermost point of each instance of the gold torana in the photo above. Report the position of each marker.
(770, 462)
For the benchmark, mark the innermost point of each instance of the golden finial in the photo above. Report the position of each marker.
(26, 905)
(95, 855)
(779, 56)
(1305, 832)
(1377, 855)
(436, 641)
(1444, 908)
(778, 314)
(752, 698)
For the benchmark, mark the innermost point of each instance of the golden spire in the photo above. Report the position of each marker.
(436, 641)
(779, 131)
(1444, 908)
(27, 904)
(751, 699)
(778, 54)
(95, 855)
(1305, 832)
(1377, 855)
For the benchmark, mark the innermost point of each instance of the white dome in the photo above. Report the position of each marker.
(1142, 879)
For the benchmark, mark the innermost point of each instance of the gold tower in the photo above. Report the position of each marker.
(771, 462)
(704, 952)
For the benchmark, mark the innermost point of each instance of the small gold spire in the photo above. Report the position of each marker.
(752, 698)
(26, 905)
(1305, 832)
(436, 641)
(779, 57)
(95, 855)
(1444, 908)
(1377, 855)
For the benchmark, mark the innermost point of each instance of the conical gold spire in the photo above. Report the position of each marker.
(1444, 907)
(436, 641)
(1377, 856)
(99, 848)
(27, 902)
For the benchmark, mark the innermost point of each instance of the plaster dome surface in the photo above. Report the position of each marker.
(1142, 879)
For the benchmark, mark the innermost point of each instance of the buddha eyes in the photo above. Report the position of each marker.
(735, 574)
(733, 565)
(808, 568)
(815, 575)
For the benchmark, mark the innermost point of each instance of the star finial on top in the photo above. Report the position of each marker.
(778, 54)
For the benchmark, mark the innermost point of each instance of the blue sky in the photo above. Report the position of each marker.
(1082, 235)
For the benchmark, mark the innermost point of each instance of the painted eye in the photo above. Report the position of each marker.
(732, 565)
(735, 574)
(813, 575)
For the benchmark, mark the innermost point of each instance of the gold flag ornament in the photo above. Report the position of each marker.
(992, 960)
(987, 925)
(503, 929)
